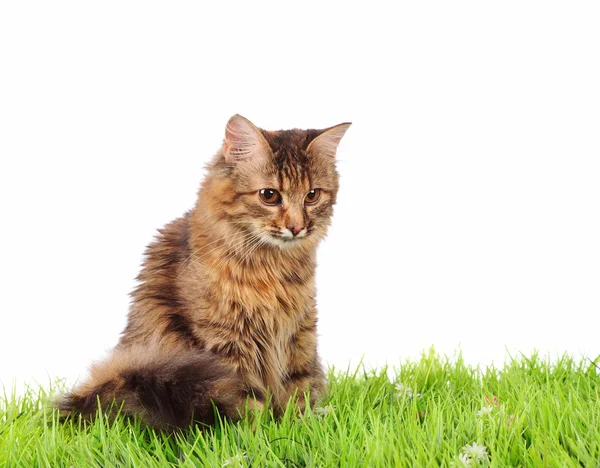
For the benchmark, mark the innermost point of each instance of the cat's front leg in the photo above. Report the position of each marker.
(305, 376)
(303, 384)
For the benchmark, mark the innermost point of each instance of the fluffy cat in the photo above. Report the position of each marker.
(224, 313)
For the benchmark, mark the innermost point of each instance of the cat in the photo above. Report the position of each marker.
(224, 316)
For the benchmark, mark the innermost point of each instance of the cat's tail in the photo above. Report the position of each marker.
(165, 389)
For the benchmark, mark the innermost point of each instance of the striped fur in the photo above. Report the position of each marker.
(224, 314)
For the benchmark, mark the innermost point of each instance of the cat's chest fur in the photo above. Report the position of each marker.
(249, 311)
(270, 288)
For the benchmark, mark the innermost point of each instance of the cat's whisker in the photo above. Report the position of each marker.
(224, 239)
(231, 253)
(249, 248)
(205, 231)
(247, 251)
(228, 254)
(256, 245)
(252, 259)
(194, 251)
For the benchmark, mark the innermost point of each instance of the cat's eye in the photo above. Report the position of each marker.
(269, 196)
(312, 197)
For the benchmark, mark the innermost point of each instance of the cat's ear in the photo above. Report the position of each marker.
(243, 140)
(328, 140)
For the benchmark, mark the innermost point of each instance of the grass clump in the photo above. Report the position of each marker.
(433, 412)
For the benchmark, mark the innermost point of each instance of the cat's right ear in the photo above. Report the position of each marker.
(243, 141)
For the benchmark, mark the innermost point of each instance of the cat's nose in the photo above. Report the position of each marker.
(295, 230)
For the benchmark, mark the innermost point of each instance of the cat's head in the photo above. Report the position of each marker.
(279, 186)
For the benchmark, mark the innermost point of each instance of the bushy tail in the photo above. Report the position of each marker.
(164, 389)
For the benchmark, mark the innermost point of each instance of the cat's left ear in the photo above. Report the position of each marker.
(329, 139)
(243, 141)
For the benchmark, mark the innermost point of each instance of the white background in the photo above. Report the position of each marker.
(469, 209)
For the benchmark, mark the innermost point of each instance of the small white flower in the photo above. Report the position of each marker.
(236, 460)
(463, 461)
(484, 411)
(405, 390)
(323, 410)
(475, 451)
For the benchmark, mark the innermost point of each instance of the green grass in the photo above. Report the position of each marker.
(535, 413)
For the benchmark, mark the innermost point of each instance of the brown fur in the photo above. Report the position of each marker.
(225, 309)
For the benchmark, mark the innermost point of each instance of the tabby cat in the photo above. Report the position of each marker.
(224, 315)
